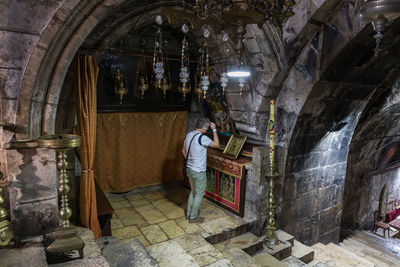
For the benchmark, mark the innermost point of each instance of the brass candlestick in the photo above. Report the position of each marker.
(66, 240)
(5, 232)
(271, 237)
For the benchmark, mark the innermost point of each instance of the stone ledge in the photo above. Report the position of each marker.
(23, 144)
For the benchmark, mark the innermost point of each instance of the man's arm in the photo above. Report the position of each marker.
(215, 141)
(184, 150)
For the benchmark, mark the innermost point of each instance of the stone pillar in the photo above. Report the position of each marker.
(33, 188)
(256, 199)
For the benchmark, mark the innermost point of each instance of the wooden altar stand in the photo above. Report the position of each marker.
(226, 178)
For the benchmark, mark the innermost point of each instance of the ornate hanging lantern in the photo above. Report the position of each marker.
(158, 60)
(166, 82)
(141, 77)
(184, 74)
(379, 12)
(224, 76)
(205, 79)
(119, 86)
(242, 82)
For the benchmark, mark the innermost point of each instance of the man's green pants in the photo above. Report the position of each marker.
(197, 182)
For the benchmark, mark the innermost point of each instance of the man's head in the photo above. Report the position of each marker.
(202, 125)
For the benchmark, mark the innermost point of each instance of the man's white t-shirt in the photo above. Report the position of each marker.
(197, 159)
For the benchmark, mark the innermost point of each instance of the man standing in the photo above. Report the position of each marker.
(197, 142)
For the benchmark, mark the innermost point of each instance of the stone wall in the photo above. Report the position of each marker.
(371, 190)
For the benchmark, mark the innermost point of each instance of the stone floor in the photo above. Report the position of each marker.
(158, 215)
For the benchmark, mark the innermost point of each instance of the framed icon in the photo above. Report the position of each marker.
(235, 144)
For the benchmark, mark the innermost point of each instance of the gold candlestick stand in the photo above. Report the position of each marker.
(271, 237)
(5, 232)
(66, 242)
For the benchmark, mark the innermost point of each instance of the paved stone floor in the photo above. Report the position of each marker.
(158, 215)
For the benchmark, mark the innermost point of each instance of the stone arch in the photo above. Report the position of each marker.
(372, 148)
(318, 150)
(50, 59)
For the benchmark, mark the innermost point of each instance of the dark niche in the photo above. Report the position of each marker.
(108, 100)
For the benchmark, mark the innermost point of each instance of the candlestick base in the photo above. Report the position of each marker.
(271, 237)
(66, 246)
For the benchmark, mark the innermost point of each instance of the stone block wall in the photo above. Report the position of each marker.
(33, 189)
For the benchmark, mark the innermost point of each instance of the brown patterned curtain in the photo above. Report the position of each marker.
(85, 80)
(139, 149)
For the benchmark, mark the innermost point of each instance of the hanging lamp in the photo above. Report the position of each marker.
(205, 78)
(158, 64)
(184, 74)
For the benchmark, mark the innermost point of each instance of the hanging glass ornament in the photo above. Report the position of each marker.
(224, 82)
(184, 74)
(241, 84)
(205, 79)
(158, 59)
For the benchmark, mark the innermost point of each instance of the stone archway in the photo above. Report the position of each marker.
(317, 155)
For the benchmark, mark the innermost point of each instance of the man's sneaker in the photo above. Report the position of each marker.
(196, 220)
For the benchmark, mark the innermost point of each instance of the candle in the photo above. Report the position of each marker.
(271, 135)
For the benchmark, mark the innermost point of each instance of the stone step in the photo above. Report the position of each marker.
(385, 245)
(347, 253)
(247, 242)
(129, 253)
(215, 233)
(302, 252)
(320, 256)
(267, 260)
(294, 262)
(189, 250)
(32, 253)
(367, 257)
(283, 236)
(239, 258)
(344, 258)
(170, 253)
(377, 257)
(280, 251)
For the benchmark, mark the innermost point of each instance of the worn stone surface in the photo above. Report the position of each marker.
(171, 229)
(97, 261)
(169, 209)
(170, 253)
(129, 253)
(126, 232)
(302, 252)
(247, 242)
(206, 254)
(294, 262)
(240, 258)
(128, 216)
(189, 228)
(91, 248)
(266, 260)
(151, 214)
(191, 241)
(34, 254)
(154, 234)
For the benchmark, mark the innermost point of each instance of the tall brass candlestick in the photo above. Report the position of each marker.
(271, 237)
(66, 240)
(5, 232)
